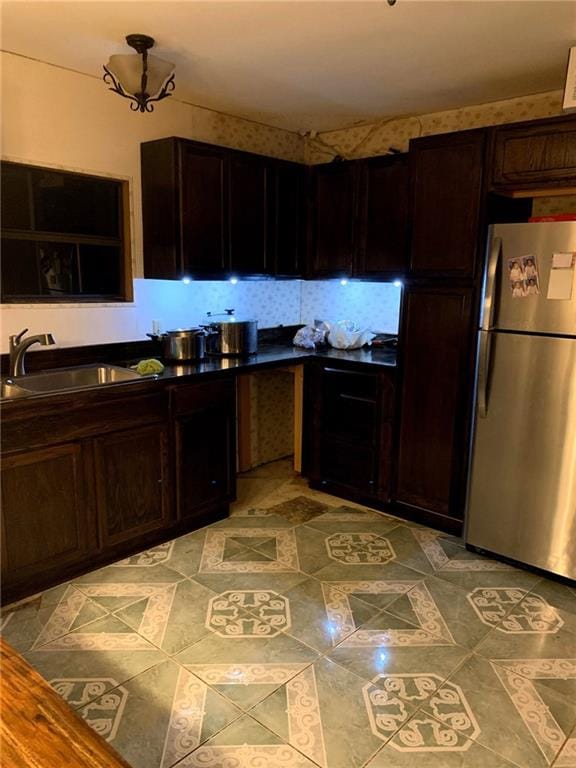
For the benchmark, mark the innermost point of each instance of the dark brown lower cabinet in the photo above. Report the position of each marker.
(88, 478)
(347, 446)
(436, 362)
(132, 482)
(47, 522)
(205, 447)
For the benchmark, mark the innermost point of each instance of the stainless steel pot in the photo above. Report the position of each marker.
(231, 337)
(182, 343)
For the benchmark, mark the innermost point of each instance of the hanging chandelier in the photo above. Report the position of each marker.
(140, 77)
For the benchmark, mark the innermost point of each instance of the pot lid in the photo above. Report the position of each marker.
(185, 332)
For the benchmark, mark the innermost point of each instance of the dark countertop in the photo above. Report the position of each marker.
(268, 356)
(274, 355)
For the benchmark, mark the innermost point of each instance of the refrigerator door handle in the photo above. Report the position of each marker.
(490, 284)
(483, 372)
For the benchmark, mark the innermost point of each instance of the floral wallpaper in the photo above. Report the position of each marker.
(375, 306)
(271, 416)
(377, 138)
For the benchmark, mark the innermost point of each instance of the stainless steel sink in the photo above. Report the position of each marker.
(10, 391)
(67, 378)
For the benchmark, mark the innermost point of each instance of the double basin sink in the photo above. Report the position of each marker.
(82, 377)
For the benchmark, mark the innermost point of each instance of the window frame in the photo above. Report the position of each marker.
(123, 242)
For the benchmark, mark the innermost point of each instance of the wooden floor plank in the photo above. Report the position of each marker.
(38, 729)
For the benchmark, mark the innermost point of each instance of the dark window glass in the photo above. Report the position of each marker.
(100, 270)
(20, 276)
(74, 204)
(16, 208)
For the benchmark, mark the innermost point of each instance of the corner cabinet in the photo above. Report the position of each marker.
(446, 176)
(209, 212)
(348, 433)
(333, 201)
(359, 218)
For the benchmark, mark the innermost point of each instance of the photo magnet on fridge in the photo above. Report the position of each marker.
(516, 278)
(531, 280)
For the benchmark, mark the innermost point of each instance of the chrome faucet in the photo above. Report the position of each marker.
(19, 345)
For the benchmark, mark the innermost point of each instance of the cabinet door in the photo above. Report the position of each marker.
(132, 482)
(535, 154)
(248, 214)
(384, 218)
(203, 210)
(333, 213)
(437, 351)
(446, 180)
(347, 442)
(287, 209)
(205, 436)
(47, 523)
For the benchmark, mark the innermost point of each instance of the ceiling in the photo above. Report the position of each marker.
(315, 65)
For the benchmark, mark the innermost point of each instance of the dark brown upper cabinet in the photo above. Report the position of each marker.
(287, 193)
(383, 217)
(248, 212)
(333, 202)
(209, 212)
(446, 201)
(535, 154)
(202, 229)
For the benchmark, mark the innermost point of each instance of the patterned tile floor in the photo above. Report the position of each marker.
(303, 632)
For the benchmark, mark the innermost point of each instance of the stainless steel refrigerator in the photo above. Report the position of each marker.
(522, 486)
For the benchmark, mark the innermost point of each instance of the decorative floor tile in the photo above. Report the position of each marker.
(356, 514)
(322, 713)
(160, 716)
(172, 617)
(101, 655)
(431, 660)
(399, 577)
(551, 656)
(322, 615)
(467, 617)
(417, 746)
(338, 524)
(388, 631)
(246, 669)
(214, 552)
(223, 582)
(516, 717)
(246, 744)
(49, 616)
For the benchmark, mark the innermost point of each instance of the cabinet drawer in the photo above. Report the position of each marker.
(350, 383)
(187, 398)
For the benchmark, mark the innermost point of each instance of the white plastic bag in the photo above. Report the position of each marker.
(346, 335)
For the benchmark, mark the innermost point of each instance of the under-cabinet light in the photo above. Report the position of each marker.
(233, 280)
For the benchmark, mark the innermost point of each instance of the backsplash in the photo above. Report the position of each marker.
(375, 306)
(175, 304)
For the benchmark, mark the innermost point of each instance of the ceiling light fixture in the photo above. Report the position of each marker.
(140, 77)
